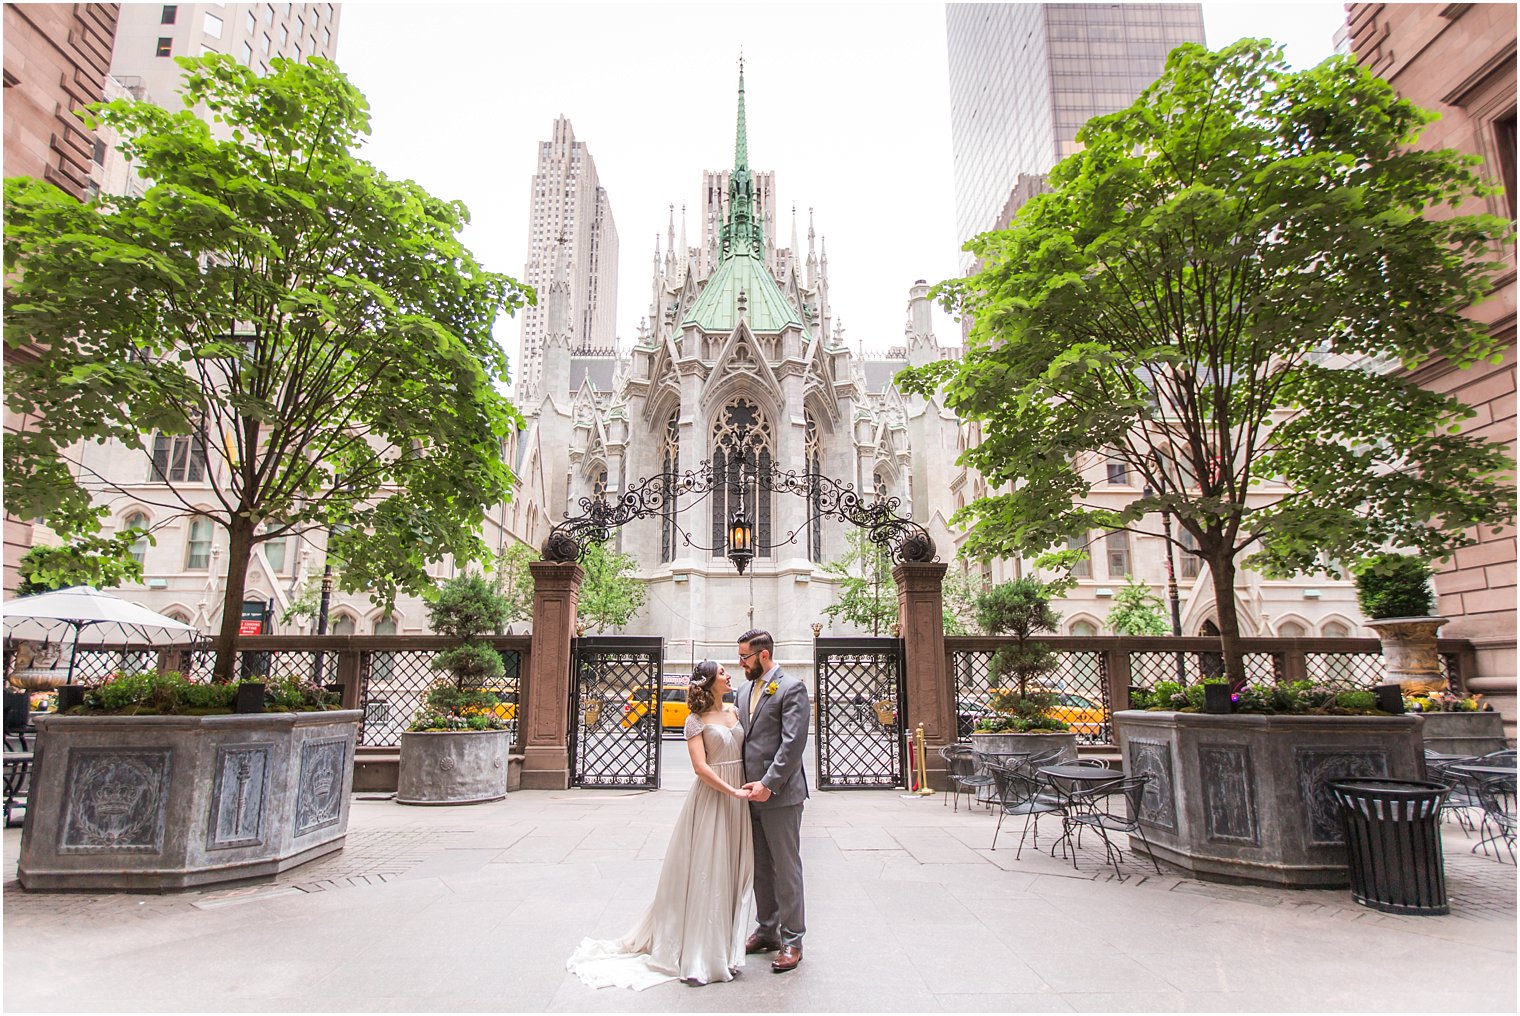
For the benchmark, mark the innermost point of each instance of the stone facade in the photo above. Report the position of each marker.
(1458, 60)
(56, 59)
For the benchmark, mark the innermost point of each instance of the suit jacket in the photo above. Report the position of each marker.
(775, 738)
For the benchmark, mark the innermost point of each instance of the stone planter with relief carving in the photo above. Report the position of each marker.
(148, 803)
(453, 766)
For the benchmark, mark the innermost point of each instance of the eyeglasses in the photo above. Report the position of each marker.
(746, 656)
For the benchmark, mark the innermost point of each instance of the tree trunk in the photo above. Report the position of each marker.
(1222, 572)
(239, 550)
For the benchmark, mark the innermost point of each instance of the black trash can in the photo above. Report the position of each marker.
(1393, 837)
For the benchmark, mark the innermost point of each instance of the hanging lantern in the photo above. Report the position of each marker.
(741, 540)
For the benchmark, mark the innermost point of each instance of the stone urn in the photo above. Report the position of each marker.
(453, 767)
(1409, 652)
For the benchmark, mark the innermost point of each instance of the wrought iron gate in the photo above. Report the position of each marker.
(615, 711)
(861, 705)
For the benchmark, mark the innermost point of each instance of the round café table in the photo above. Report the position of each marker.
(1074, 787)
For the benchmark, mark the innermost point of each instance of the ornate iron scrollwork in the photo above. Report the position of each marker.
(906, 540)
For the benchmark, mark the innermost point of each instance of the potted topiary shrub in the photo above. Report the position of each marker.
(1394, 592)
(1022, 722)
(455, 751)
(155, 782)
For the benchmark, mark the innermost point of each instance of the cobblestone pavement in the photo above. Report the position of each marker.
(475, 909)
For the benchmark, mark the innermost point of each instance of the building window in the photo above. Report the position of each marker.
(386, 626)
(670, 459)
(813, 456)
(342, 625)
(284, 35)
(741, 473)
(1084, 629)
(1118, 473)
(165, 47)
(1117, 545)
(1505, 140)
(167, 16)
(269, 14)
(266, 45)
(248, 54)
(252, 22)
(212, 25)
(1291, 630)
(198, 546)
(180, 459)
(276, 550)
(1187, 564)
(139, 548)
(1083, 568)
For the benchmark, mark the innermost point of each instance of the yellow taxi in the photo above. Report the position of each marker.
(1080, 713)
(672, 706)
(506, 703)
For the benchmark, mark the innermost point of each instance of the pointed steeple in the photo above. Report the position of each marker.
(741, 234)
(741, 137)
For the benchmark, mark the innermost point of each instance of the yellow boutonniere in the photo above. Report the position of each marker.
(770, 689)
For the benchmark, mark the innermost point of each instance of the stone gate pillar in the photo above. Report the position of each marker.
(931, 699)
(546, 699)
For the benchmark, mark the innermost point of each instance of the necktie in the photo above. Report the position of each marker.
(754, 697)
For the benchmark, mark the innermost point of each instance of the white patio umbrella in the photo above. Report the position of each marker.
(92, 617)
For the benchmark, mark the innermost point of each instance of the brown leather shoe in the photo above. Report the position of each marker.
(787, 959)
(758, 943)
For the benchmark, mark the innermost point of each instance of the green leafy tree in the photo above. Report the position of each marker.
(86, 560)
(315, 327)
(610, 594)
(867, 594)
(1137, 611)
(960, 589)
(513, 580)
(1204, 294)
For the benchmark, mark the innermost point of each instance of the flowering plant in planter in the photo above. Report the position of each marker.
(154, 693)
(1028, 713)
(1294, 698)
(1444, 702)
(464, 608)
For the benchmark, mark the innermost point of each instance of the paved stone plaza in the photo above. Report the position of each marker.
(476, 908)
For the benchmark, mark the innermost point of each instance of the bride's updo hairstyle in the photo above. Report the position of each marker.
(699, 694)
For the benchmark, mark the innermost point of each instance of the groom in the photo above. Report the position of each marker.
(773, 709)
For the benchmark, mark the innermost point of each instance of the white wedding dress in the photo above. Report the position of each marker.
(704, 903)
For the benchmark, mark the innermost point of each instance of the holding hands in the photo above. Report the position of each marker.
(757, 792)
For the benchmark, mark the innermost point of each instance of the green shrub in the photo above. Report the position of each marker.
(1356, 701)
(1394, 585)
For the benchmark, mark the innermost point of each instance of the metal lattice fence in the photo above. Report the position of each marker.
(620, 703)
(1147, 669)
(393, 685)
(859, 742)
(1078, 680)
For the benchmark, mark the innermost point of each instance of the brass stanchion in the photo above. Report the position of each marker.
(924, 790)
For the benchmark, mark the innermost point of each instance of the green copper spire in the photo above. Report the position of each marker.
(741, 234)
(741, 139)
(742, 287)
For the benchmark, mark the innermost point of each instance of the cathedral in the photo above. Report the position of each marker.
(740, 363)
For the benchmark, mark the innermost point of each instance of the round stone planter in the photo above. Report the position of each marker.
(1245, 798)
(1409, 651)
(452, 767)
(148, 803)
(1027, 744)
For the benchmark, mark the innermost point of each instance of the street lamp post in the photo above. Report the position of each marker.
(1172, 595)
(319, 662)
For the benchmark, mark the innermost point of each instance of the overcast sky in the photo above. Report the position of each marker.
(848, 103)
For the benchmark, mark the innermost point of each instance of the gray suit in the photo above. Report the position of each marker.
(774, 740)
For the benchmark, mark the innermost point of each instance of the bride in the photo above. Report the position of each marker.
(703, 905)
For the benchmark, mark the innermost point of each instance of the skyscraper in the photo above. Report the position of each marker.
(1024, 78)
(151, 35)
(570, 215)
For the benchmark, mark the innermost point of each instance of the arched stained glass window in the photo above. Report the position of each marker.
(670, 459)
(742, 461)
(813, 454)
